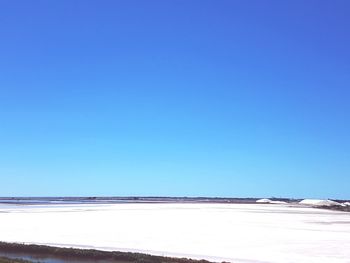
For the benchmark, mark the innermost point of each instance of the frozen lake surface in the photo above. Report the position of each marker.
(239, 233)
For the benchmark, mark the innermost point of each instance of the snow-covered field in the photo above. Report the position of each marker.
(232, 232)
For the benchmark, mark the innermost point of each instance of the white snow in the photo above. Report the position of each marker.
(318, 202)
(240, 233)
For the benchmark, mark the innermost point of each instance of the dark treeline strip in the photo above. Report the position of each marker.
(135, 199)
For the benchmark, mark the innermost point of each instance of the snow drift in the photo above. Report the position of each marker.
(318, 202)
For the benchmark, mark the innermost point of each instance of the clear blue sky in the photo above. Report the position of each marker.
(175, 98)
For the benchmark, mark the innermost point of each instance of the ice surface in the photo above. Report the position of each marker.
(232, 232)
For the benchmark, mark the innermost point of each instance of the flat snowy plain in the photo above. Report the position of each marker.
(233, 232)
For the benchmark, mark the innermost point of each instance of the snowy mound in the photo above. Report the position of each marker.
(268, 201)
(318, 202)
(264, 201)
(346, 203)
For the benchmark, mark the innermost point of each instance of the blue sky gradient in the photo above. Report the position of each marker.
(175, 98)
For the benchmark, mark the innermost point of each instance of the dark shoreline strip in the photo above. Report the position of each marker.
(10, 260)
(89, 254)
